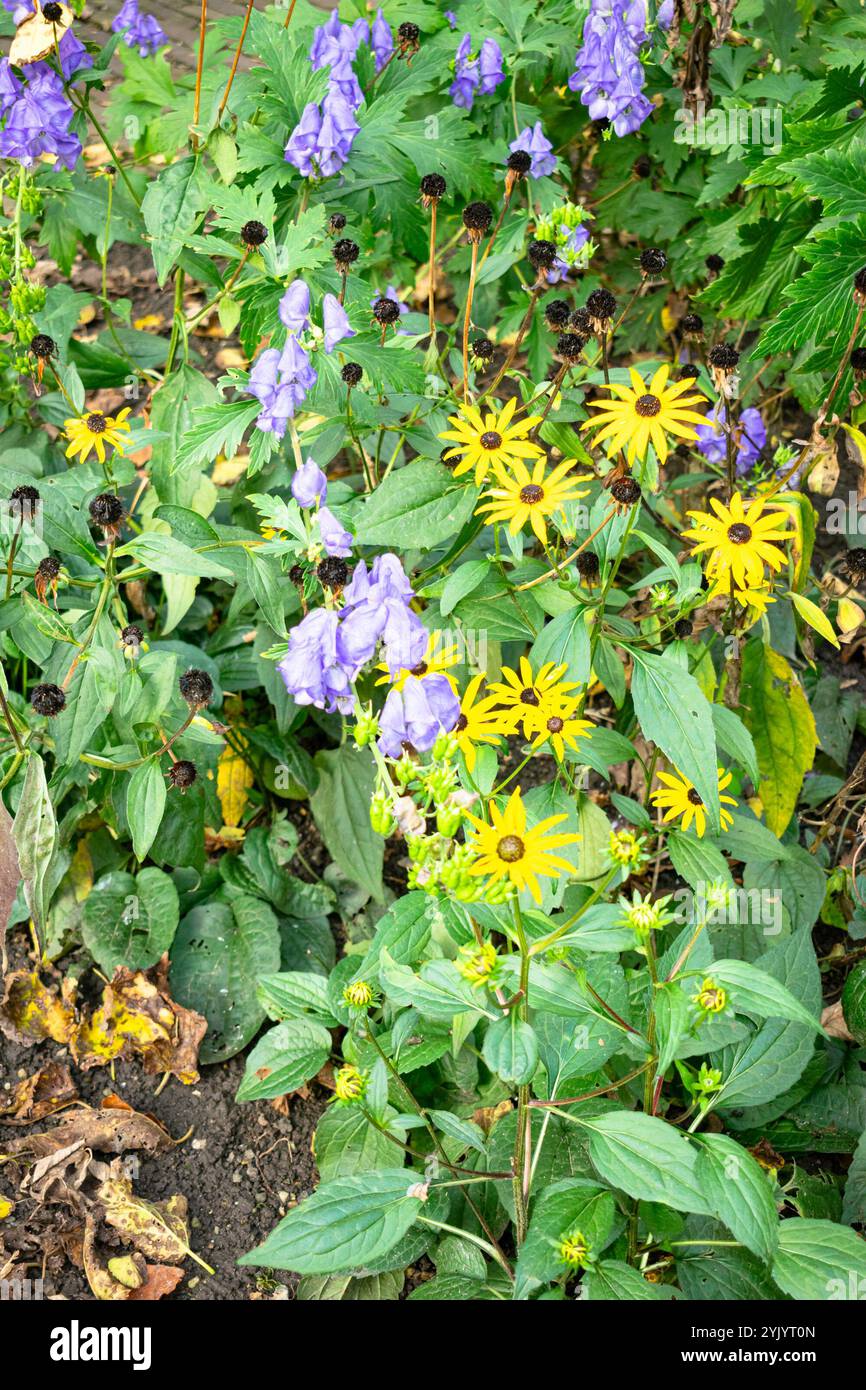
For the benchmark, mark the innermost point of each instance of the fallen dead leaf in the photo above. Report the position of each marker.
(161, 1281)
(157, 1229)
(39, 1095)
(833, 1023)
(31, 1012)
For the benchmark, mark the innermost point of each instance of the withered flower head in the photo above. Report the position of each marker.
(556, 314)
(351, 373)
(345, 253)
(476, 219)
(48, 700)
(625, 492)
(386, 311)
(433, 188)
(196, 687)
(254, 234)
(333, 572)
(106, 511)
(653, 260)
(182, 774)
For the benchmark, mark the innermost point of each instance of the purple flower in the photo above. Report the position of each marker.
(309, 485)
(311, 669)
(335, 321)
(325, 41)
(387, 579)
(608, 71)
(417, 714)
(141, 31)
(10, 87)
(344, 83)
(73, 55)
(303, 142)
(750, 433)
(452, 19)
(295, 368)
(280, 381)
(381, 40)
(466, 78)
(665, 15)
(490, 67)
(294, 307)
(38, 118)
(335, 538)
(535, 142)
(338, 131)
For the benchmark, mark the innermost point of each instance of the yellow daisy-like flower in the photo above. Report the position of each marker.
(477, 964)
(521, 496)
(479, 721)
(483, 442)
(758, 599)
(680, 798)
(436, 662)
(741, 541)
(94, 431)
(710, 998)
(521, 692)
(559, 728)
(507, 849)
(641, 415)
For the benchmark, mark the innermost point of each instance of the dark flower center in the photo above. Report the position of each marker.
(462, 723)
(739, 533)
(648, 405)
(528, 696)
(491, 440)
(531, 494)
(693, 797)
(96, 423)
(420, 670)
(510, 848)
(555, 725)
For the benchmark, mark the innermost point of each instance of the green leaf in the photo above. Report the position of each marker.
(647, 1159)
(296, 994)
(34, 831)
(511, 1049)
(288, 1055)
(575, 1204)
(697, 861)
(740, 1193)
(130, 921)
(168, 555)
(145, 803)
(347, 1143)
(819, 1260)
(171, 207)
(417, 506)
(345, 1225)
(565, 640)
(756, 992)
(854, 1003)
(615, 1281)
(733, 736)
(673, 711)
(437, 993)
(782, 725)
(341, 809)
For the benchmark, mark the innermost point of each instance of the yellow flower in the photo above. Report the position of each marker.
(507, 849)
(358, 995)
(626, 850)
(710, 998)
(479, 721)
(574, 1250)
(741, 542)
(522, 497)
(477, 964)
(94, 431)
(349, 1085)
(681, 799)
(436, 661)
(758, 599)
(558, 727)
(522, 692)
(642, 415)
(483, 442)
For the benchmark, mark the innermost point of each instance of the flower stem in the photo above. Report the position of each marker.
(236, 59)
(198, 71)
(467, 318)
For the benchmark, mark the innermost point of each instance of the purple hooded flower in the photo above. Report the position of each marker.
(141, 31)
(490, 67)
(280, 381)
(466, 78)
(326, 42)
(535, 143)
(295, 368)
(381, 40)
(38, 118)
(665, 15)
(337, 133)
(335, 322)
(309, 485)
(750, 432)
(294, 307)
(344, 83)
(417, 714)
(608, 71)
(73, 55)
(335, 538)
(452, 19)
(386, 579)
(311, 669)
(10, 87)
(303, 143)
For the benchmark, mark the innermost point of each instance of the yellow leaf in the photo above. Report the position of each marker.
(81, 871)
(234, 779)
(848, 617)
(777, 715)
(814, 616)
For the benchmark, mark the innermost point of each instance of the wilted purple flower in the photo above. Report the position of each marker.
(309, 485)
(294, 307)
(534, 142)
(335, 538)
(38, 118)
(417, 714)
(490, 67)
(750, 431)
(381, 40)
(311, 669)
(335, 322)
(141, 31)
(608, 71)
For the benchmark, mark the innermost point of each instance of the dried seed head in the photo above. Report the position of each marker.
(345, 253)
(336, 222)
(692, 326)
(483, 349)
(333, 572)
(52, 11)
(42, 346)
(642, 166)
(714, 263)
(556, 314)
(860, 286)
(131, 635)
(587, 566)
(386, 311)
(48, 700)
(106, 511)
(858, 362)
(433, 188)
(682, 628)
(625, 491)
(408, 38)
(351, 373)
(182, 774)
(48, 569)
(254, 234)
(23, 500)
(569, 347)
(296, 575)
(196, 687)
(723, 357)
(581, 322)
(542, 255)
(519, 162)
(653, 260)
(689, 372)
(476, 219)
(855, 563)
(601, 307)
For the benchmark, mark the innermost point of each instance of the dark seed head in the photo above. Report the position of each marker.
(601, 305)
(692, 324)
(345, 253)
(510, 849)
(555, 725)
(483, 349)
(333, 572)
(581, 322)
(542, 254)
(625, 491)
(569, 346)
(351, 373)
(43, 346)
(131, 635)
(858, 361)
(48, 569)
(433, 187)
(491, 440)
(529, 697)
(23, 499)
(653, 260)
(587, 565)
(476, 219)
(642, 166)
(106, 510)
(714, 263)
(386, 311)
(689, 372)
(556, 313)
(855, 562)
(693, 797)
(196, 687)
(408, 33)
(519, 162)
(682, 628)
(52, 11)
(723, 357)
(254, 233)
(96, 422)
(182, 774)
(48, 700)
(296, 575)
(336, 222)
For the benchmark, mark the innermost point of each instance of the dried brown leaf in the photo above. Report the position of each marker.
(39, 1095)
